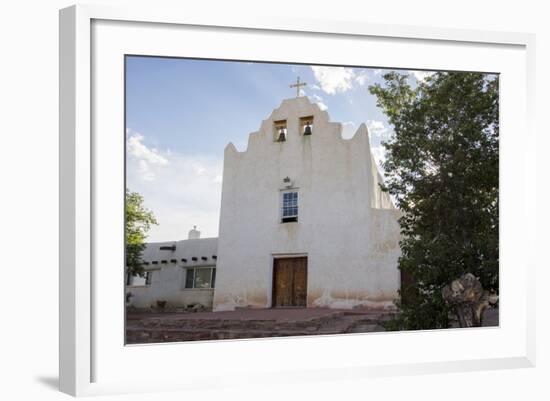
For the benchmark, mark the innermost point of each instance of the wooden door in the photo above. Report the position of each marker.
(290, 282)
(299, 283)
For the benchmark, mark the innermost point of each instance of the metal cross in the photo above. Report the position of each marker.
(297, 85)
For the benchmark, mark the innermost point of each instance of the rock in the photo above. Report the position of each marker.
(468, 299)
(196, 308)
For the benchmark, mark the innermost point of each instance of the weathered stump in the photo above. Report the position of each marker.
(468, 299)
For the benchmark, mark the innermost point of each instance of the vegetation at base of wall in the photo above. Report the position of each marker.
(442, 169)
(138, 222)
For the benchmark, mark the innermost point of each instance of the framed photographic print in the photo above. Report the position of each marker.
(240, 194)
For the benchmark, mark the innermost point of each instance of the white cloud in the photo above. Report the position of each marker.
(319, 100)
(198, 169)
(147, 159)
(315, 87)
(182, 190)
(378, 152)
(322, 106)
(334, 80)
(137, 149)
(361, 77)
(145, 171)
(421, 76)
(378, 131)
(241, 145)
(348, 129)
(316, 98)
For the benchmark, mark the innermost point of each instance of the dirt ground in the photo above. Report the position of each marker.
(146, 327)
(249, 323)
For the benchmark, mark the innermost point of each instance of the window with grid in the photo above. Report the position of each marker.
(290, 206)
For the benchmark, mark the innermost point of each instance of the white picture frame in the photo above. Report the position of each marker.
(88, 351)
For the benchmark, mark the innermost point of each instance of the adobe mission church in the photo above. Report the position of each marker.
(303, 223)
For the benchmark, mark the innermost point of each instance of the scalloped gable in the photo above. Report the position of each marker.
(288, 109)
(344, 224)
(327, 136)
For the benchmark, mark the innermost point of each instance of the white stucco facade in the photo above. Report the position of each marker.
(168, 263)
(346, 226)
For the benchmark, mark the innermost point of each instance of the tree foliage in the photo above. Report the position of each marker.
(442, 170)
(138, 222)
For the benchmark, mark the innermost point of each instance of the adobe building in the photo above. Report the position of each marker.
(303, 223)
(180, 273)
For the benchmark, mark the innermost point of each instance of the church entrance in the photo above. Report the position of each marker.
(289, 282)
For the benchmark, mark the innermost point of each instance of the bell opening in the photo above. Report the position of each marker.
(280, 131)
(306, 124)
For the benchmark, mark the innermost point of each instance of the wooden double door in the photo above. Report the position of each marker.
(290, 282)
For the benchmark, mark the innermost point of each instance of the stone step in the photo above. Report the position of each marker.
(318, 322)
(162, 335)
(215, 325)
(178, 328)
(233, 323)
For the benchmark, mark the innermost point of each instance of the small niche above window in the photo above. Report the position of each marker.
(306, 125)
(280, 130)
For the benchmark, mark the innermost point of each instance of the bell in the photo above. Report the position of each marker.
(307, 129)
(282, 135)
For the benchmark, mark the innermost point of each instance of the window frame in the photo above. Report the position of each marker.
(289, 218)
(148, 276)
(212, 280)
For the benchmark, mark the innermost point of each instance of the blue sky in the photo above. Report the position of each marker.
(181, 113)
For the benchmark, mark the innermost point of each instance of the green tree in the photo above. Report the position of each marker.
(138, 222)
(442, 170)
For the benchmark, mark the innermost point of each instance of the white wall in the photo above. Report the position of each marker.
(168, 279)
(346, 226)
(29, 163)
